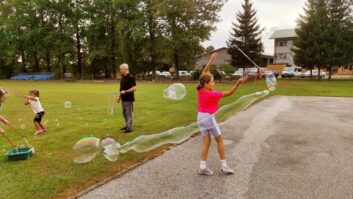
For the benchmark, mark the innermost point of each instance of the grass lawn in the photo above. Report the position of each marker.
(50, 173)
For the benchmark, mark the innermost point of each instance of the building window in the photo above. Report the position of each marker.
(281, 56)
(281, 43)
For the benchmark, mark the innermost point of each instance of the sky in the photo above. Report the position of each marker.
(271, 14)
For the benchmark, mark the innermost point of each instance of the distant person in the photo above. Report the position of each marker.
(127, 97)
(207, 106)
(33, 99)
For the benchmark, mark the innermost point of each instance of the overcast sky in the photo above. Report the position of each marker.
(271, 14)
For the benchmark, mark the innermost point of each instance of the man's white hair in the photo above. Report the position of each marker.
(124, 65)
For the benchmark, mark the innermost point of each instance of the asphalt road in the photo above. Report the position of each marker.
(283, 147)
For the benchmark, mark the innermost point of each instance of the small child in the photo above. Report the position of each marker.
(207, 106)
(3, 96)
(34, 101)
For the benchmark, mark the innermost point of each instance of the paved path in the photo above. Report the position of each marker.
(283, 147)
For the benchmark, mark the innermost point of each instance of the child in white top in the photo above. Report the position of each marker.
(34, 101)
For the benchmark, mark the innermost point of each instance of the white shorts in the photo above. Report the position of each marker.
(208, 124)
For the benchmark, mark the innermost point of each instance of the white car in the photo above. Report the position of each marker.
(239, 73)
(315, 73)
(184, 73)
(165, 74)
(158, 73)
(291, 72)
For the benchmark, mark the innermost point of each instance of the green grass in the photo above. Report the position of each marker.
(51, 172)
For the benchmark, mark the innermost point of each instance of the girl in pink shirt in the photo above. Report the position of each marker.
(207, 106)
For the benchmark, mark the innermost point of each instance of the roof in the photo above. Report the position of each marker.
(215, 50)
(284, 33)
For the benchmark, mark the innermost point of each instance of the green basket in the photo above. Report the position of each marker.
(19, 153)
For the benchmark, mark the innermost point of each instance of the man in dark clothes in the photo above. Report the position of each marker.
(127, 90)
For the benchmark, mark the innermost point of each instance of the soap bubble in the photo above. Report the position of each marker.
(57, 124)
(175, 91)
(23, 126)
(271, 80)
(67, 104)
(178, 135)
(111, 149)
(86, 149)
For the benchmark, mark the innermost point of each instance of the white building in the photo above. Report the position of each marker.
(283, 46)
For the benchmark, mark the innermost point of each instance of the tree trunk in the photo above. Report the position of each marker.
(152, 42)
(318, 74)
(78, 51)
(176, 64)
(36, 62)
(48, 60)
(23, 64)
(330, 72)
(311, 74)
(113, 50)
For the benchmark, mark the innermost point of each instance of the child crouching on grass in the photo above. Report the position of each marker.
(207, 106)
(33, 99)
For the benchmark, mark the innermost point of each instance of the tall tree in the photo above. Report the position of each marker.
(339, 34)
(312, 47)
(246, 34)
(189, 22)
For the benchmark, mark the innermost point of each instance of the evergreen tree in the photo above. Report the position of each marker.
(339, 34)
(246, 34)
(312, 47)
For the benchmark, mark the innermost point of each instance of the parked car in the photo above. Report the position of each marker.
(291, 72)
(184, 73)
(315, 73)
(165, 74)
(158, 73)
(239, 73)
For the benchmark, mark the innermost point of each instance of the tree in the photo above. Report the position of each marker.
(312, 47)
(187, 24)
(246, 34)
(339, 31)
(209, 49)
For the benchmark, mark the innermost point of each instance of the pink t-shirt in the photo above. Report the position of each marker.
(208, 101)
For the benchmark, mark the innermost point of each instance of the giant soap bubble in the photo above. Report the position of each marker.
(175, 91)
(110, 149)
(86, 149)
(271, 80)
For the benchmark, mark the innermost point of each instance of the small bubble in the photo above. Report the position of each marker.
(23, 127)
(67, 104)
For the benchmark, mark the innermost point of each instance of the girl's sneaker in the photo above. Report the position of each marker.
(205, 171)
(45, 130)
(226, 169)
(39, 132)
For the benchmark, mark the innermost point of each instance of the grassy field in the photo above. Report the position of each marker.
(51, 172)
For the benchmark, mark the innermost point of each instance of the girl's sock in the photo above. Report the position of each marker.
(224, 162)
(203, 165)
